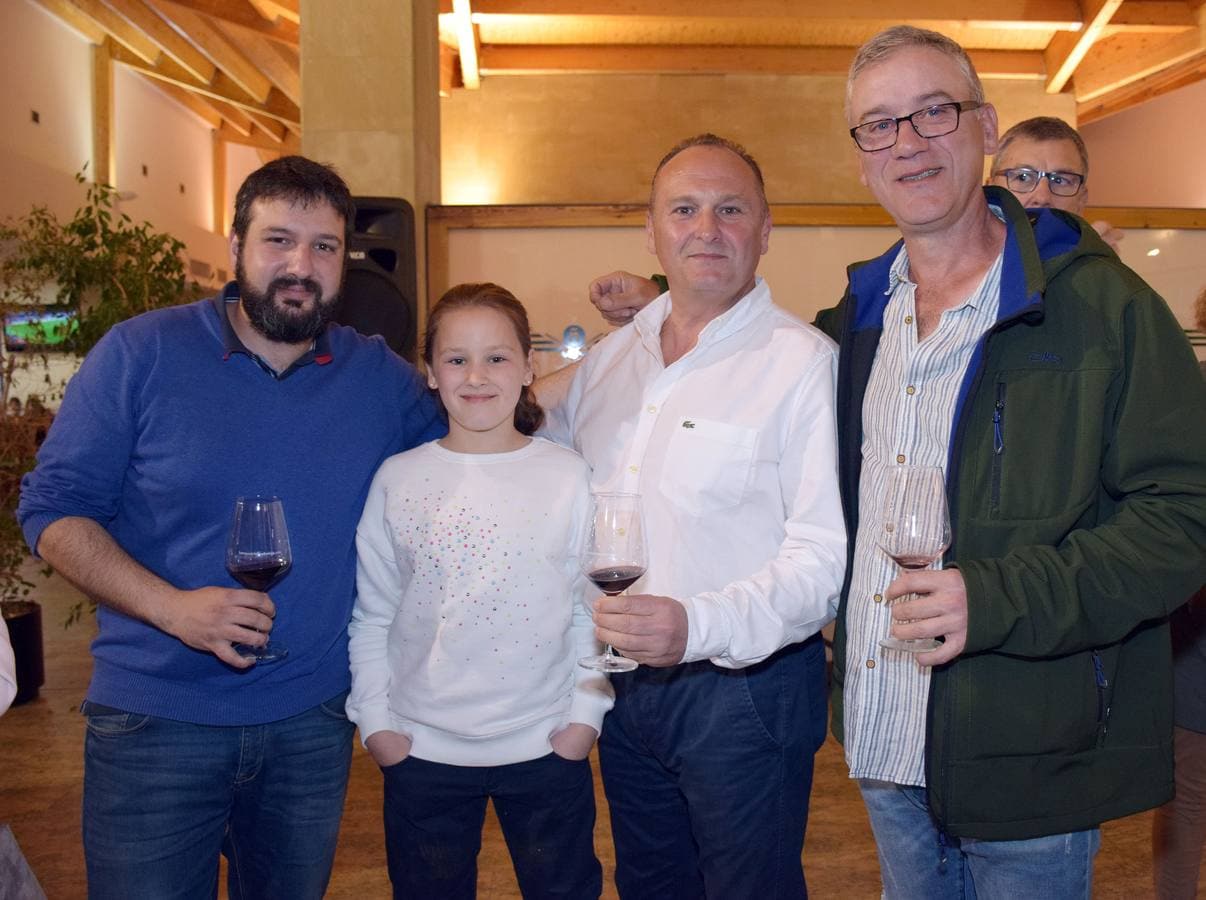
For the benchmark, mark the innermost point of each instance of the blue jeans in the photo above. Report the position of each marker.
(916, 862)
(707, 773)
(433, 826)
(163, 798)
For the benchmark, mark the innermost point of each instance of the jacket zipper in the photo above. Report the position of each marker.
(1103, 709)
(998, 444)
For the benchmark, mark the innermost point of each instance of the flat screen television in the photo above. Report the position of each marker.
(38, 329)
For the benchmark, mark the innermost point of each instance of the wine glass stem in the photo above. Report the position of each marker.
(608, 651)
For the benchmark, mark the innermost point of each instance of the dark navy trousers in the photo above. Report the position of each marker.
(707, 773)
(433, 827)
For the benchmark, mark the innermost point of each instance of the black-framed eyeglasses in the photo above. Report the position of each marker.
(931, 122)
(1024, 179)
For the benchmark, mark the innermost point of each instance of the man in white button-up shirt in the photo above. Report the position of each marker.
(718, 408)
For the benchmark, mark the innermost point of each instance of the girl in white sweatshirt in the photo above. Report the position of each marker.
(469, 618)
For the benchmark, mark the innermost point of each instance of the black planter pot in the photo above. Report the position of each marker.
(24, 621)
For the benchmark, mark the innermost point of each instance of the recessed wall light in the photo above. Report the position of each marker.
(1155, 251)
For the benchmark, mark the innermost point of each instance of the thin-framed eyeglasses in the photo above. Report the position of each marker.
(1024, 179)
(930, 122)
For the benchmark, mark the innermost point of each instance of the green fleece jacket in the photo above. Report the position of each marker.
(1077, 486)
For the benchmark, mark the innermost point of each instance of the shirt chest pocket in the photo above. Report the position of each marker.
(707, 465)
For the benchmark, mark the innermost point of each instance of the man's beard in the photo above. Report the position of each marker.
(281, 322)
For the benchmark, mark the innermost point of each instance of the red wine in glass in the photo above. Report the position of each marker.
(912, 562)
(914, 530)
(259, 576)
(613, 557)
(616, 579)
(258, 555)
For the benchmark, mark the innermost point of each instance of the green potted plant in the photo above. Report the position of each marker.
(96, 269)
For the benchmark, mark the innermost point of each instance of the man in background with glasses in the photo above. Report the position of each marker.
(1044, 163)
(1057, 391)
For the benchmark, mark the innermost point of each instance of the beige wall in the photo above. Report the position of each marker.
(1151, 155)
(47, 67)
(596, 138)
(549, 268)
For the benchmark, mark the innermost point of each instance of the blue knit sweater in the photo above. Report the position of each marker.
(160, 430)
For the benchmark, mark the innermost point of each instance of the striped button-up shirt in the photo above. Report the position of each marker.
(908, 414)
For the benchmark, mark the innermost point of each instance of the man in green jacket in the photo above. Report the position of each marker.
(1061, 399)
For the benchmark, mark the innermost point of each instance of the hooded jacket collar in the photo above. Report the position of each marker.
(1049, 241)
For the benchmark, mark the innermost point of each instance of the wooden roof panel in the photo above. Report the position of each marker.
(239, 60)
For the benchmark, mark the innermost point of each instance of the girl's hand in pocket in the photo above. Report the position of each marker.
(574, 741)
(388, 748)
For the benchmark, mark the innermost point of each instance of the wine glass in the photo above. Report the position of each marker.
(258, 556)
(613, 557)
(914, 529)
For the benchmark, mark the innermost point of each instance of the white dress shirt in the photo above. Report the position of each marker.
(733, 448)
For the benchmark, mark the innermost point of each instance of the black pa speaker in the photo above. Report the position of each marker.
(380, 286)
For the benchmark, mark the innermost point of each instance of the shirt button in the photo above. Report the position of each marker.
(900, 458)
(910, 390)
(651, 408)
(908, 320)
(878, 598)
(870, 664)
(634, 469)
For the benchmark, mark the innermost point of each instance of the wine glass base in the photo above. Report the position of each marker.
(268, 653)
(918, 645)
(608, 663)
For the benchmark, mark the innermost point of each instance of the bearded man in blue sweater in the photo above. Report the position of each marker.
(191, 748)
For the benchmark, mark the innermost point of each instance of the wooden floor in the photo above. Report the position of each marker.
(40, 785)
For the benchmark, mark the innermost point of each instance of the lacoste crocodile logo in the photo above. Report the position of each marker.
(1045, 357)
(687, 423)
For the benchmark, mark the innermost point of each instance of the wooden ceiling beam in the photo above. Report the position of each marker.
(1122, 61)
(219, 48)
(229, 122)
(1045, 13)
(242, 14)
(269, 126)
(1152, 17)
(219, 221)
(104, 147)
(277, 61)
(142, 17)
(468, 44)
(71, 16)
(202, 107)
(1067, 49)
(276, 9)
(236, 118)
(119, 29)
(450, 72)
(223, 88)
(256, 138)
(539, 59)
(1177, 76)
